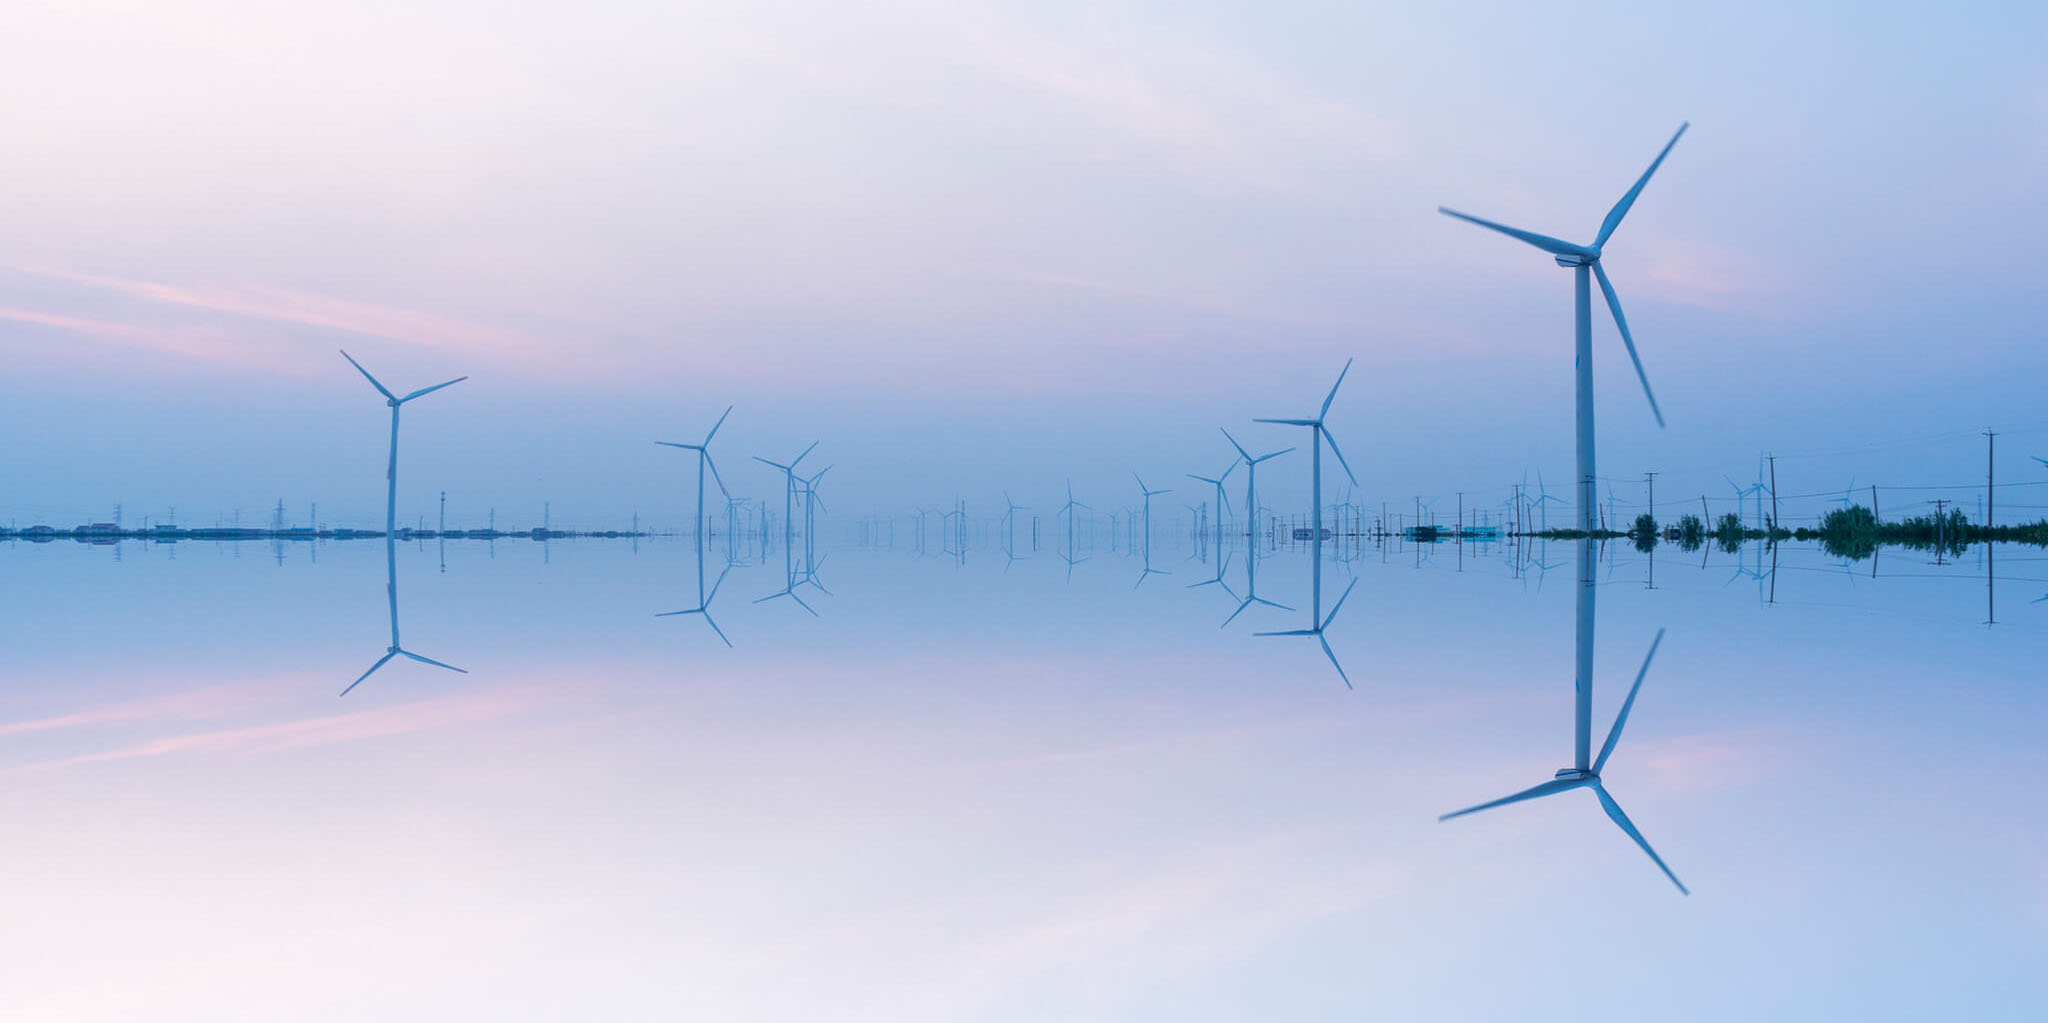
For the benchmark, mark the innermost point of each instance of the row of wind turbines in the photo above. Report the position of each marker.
(1585, 262)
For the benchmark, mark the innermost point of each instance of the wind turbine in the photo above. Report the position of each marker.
(391, 525)
(1010, 510)
(788, 489)
(703, 462)
(1584, 262)
(1222, 500)
(1068, 511)
(1251, 481)
(1149, 495)
(1585, 771)
(1318, 436)
(1544, 498)
(1316, 629)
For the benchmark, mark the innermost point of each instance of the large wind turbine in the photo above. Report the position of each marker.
(391, 523)
(1584, 261)
(1318, 435)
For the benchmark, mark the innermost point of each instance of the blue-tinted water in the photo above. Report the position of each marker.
(992, 790)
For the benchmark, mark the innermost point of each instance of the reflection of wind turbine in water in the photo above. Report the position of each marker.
(1584, 262)
(1585, 770)
(1147, 527)
(704, 599)
(1316, 628)
(391, 525)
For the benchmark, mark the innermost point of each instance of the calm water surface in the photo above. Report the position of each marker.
(980, 790)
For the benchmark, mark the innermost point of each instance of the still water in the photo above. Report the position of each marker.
(969, 788)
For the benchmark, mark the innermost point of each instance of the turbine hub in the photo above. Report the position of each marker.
(1579, 259)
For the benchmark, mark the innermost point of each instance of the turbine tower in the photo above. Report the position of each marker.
(1584, 262)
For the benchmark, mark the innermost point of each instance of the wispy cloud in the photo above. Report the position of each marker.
(301, 733)
(422, 328)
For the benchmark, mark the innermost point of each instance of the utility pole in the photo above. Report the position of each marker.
(1774, 499)
(442, 526)
(1940, 530)
(1873, 504)
(1990, 508)
(1651, 479)
(1990, 493)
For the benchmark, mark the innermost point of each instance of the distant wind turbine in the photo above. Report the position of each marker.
(1584, 261)
(1149, 495)
(1251, 481)
(1318, 436)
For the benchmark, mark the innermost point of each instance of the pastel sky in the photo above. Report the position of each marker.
(982, 245)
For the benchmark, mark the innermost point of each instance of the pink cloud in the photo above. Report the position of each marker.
(323, 730)
(200, 343)
(411, 326)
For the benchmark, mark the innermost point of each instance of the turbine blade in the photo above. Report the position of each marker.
(1620, 209)
(1246, 455)
(1614, 306)
(764, 461)
(1332, 616)
(380, 390)
(1614, 734)
(1288, 422)
(430, 390)
(1536, 792)
(1289, 632)
(716, 629)
(799, 459)
(429, 660)
(716, 425)
(1542, 241)
(713, 466)
(381, 661)
(1275, 454)
(1332, 438)
(673, 444)
(1614, 811)
(1333, 389)
(1332, 655)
